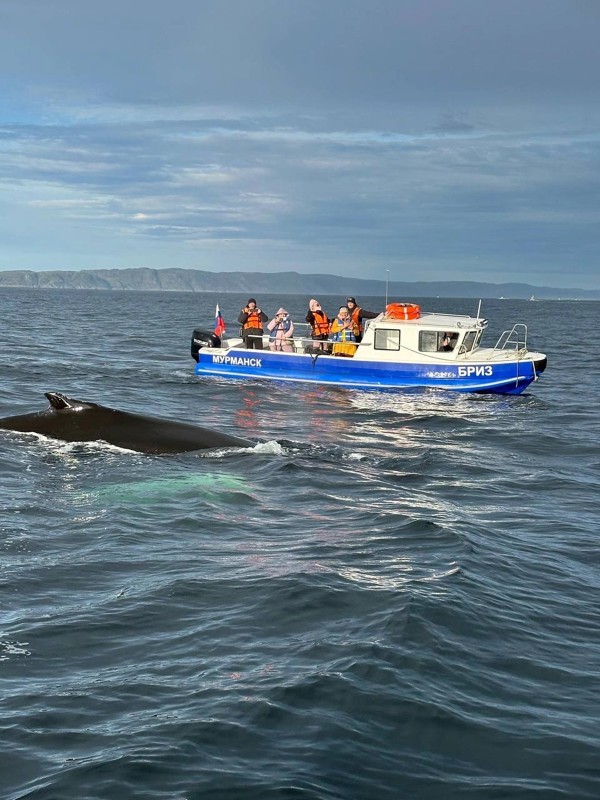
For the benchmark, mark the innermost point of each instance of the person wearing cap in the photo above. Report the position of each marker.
(358, 314)
(319, 324)
(251, 319)
(281, 331)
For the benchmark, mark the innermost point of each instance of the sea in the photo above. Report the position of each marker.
(391, 596)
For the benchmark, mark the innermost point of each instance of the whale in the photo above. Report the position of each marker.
(73, 420)
(156, 490)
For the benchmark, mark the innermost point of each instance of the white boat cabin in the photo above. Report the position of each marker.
(430, 337)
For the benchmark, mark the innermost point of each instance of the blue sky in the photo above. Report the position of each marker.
(434, 139)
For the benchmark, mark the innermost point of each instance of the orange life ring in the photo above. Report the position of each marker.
(403, 311)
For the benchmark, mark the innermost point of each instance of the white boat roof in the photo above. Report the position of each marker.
(439, 321)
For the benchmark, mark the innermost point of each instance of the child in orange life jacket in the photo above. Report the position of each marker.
(319, 323)
(251, 319)
(344, 331)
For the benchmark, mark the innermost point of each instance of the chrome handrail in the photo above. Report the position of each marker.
(513, 339)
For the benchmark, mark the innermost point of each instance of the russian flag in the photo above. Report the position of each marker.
(219, 323)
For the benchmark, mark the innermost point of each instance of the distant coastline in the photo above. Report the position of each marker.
(192, 280)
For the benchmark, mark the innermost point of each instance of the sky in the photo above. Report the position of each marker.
(420, 139)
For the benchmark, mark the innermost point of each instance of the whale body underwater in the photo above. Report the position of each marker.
(78, 421)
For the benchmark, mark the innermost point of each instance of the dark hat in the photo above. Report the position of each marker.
(351, 300)
(251, 300)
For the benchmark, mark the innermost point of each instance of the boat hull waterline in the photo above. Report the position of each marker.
(510, 377)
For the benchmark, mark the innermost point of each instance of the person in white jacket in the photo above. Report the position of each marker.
(281, 331)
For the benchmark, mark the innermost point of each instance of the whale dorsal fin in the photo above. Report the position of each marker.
(59, 401)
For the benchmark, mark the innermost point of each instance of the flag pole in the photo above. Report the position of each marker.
(220, 326)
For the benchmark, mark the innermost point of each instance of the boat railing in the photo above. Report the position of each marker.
(513, 339)
(300, 342)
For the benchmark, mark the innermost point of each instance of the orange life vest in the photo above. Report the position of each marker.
(253, 321)
(341, 334)
(320, 325)
(357, 327)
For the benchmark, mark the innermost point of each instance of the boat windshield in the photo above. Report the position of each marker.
(471, 341)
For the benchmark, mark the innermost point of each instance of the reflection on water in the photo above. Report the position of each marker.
(417, 403)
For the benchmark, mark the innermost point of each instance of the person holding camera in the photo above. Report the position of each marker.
(281, 331)
(319, 324)
(345, 331)
(251, 319)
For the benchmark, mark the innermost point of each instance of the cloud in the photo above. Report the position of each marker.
(282, 52)
(427, 137)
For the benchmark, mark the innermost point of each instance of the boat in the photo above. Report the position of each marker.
(397, 351)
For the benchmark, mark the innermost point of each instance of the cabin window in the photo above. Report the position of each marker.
(387, 339)
(430, 341)
(437, 341)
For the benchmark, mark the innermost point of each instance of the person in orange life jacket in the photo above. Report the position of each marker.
(281, 330)
(358, 314)
(319, 323)
(343, 330)
(251, 319)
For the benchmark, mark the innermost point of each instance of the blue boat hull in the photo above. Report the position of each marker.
(507, 377)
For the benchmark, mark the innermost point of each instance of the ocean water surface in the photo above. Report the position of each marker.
(393, 595)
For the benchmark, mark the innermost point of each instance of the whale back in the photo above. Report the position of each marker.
(78, 421)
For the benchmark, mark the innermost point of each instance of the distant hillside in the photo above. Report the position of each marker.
(192, 280)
